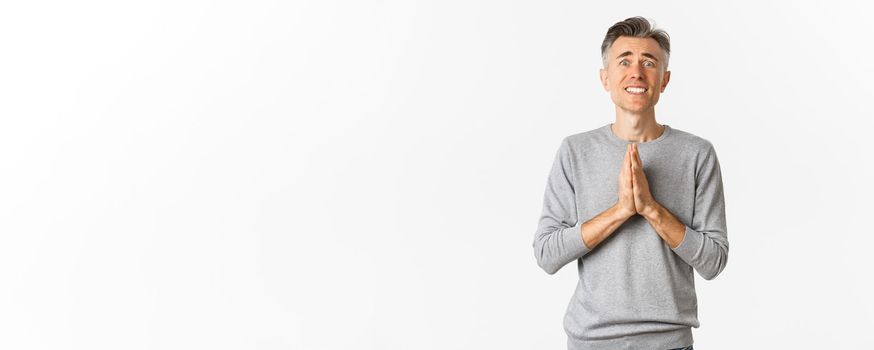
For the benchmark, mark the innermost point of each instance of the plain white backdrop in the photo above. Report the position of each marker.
(369, 175)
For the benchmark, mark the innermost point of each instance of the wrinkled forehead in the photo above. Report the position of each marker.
(635, 46)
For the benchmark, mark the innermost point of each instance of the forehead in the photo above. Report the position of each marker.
(636, 46)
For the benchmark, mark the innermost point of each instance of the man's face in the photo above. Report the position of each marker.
(635, 73)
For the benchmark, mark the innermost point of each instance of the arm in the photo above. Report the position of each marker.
(668, 227)
(559, 238)
(703, 244)
(604, 224)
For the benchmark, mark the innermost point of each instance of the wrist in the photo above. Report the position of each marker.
(622, 213)
(651, 212)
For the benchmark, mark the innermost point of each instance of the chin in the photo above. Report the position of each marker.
(635, 108)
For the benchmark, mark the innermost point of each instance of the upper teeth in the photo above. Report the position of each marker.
(636, 90)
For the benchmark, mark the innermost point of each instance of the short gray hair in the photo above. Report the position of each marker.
(637, 27)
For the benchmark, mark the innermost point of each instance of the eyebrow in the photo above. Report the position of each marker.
(629, 53)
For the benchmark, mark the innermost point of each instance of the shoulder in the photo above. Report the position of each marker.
(585, 139)
(689, 139)
(691, 142)
(699, 149)
(576, 145)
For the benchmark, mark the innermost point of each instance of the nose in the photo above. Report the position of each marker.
(637, 71)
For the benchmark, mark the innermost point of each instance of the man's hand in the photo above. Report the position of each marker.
(603, 225)
(626, 203)
(644, 203)
(635, 198)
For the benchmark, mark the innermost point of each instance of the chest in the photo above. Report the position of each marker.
(671, 178)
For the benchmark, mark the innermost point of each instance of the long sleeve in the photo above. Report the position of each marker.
(705, 246)
(557, 240)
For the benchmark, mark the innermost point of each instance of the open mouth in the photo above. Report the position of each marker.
(636, 90)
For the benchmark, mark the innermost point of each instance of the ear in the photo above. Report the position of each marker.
(665, 79)
(603, 74)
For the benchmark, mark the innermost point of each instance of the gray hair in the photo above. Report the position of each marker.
(637, 27)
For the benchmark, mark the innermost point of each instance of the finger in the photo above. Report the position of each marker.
(628, 154)
(627, 159)
(635, 159)
(637, 155)
(629, 163)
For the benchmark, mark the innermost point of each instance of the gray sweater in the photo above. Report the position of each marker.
(634, 291)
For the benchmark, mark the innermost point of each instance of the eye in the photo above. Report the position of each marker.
(648, 64)
(623, 63)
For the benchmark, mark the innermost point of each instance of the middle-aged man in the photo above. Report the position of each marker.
(638, 205)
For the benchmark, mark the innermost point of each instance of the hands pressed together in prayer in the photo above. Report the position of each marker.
(634, 198)
(634, 195)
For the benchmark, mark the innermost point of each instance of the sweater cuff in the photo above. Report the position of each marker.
(691, 245)
(573, 240)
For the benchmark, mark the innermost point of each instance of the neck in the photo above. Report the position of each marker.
(634, 127)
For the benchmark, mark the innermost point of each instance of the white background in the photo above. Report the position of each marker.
(369, 175)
